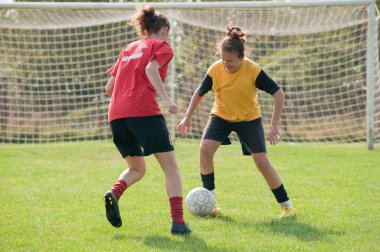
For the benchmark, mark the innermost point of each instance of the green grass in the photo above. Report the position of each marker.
(51, 200)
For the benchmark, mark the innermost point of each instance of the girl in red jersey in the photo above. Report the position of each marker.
(234, 80)
(137, 124)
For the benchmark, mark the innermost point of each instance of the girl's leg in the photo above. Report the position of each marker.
(206, 155)
(128, 177)
(169, 166)
(136, 170)
(274, 182)
(267, 170)
(216, 131)
(207, 151)
(206, 164)
(173, 184)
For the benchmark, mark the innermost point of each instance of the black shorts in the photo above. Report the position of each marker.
(141, 136)
(251, 133)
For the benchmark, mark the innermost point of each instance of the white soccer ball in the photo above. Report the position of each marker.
(200, 201)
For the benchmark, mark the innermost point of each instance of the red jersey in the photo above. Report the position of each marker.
(133, 94)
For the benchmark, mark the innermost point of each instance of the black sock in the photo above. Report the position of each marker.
(280, 194)
(208, 181)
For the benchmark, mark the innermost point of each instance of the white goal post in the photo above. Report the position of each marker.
(324, 54)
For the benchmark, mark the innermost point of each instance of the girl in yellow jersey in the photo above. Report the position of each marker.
(234, 80)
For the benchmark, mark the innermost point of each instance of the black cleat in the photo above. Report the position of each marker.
(180, 229)
(112, 209)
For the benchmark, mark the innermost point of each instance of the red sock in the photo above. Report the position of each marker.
(118, 188)
(176, 210)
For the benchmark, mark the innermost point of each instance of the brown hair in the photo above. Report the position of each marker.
(146, 19)
(233, 41)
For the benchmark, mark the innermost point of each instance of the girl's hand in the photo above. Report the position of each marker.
(274, 135)
(184, 126)
(172, 107)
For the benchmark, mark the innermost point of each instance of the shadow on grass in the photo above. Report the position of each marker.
(119, 236)
(223, 218)
(290, 227)
(186, 243)
(299, 230)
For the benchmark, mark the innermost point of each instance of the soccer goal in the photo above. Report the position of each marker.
(324, 54)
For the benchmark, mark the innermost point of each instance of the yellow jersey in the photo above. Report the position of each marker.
(236, 97)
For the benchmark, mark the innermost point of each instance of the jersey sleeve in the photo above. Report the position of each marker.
(265, 83)
(205, 86)
(163, 54)
(113, 70)
(207, 82)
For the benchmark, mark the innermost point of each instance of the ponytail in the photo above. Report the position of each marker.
(146, 19)
(233, 41)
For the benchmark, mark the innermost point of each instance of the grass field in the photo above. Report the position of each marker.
(51, 200)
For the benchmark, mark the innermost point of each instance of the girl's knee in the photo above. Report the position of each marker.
(140, 171)
(262, 162)
(206, 151)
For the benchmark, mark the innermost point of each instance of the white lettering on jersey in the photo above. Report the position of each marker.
(133, 56)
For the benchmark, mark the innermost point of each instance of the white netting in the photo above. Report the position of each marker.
(53, 68)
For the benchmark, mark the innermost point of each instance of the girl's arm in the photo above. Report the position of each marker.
(152, 71)
(279, 101)
(184, 126)
(110, 85)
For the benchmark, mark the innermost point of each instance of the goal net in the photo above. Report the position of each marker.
(53, 66)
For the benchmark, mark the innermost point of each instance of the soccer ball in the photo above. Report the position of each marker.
(200, 201)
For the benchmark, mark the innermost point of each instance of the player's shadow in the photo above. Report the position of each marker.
(187, 243)
(119, 236)
(299, 230)
(224, 218)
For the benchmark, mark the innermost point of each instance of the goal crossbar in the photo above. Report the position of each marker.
(183, 5)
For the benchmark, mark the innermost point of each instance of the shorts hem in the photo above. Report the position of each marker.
(145, 154)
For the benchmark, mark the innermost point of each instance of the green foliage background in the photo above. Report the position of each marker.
(49, 65)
